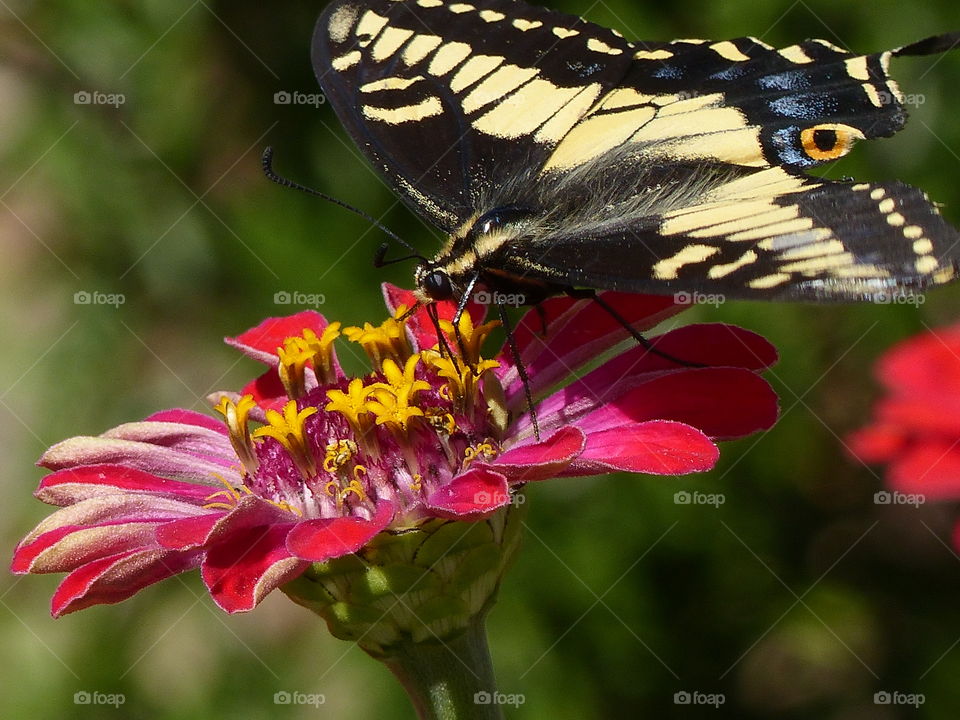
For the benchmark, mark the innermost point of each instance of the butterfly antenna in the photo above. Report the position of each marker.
(521, 368)
(646, 344)
(266, 161)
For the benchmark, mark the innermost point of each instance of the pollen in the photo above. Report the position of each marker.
(288, 430)
(236, 417)
(485, 449)
(338, 454)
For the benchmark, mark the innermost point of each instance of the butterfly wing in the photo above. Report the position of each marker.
(765, 234)
(617, 147)
(450, 99)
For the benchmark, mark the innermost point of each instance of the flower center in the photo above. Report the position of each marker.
(339, 445)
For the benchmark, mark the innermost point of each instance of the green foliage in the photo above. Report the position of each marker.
(795, 598)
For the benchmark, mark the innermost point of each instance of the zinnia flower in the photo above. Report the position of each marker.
(916, 429)
(340, 468)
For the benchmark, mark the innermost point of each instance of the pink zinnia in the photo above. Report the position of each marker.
(335, 461)
(916, 428)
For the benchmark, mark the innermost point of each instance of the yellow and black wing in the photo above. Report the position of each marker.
(632, 165)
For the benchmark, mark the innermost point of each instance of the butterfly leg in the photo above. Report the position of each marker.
(521, 368)
(591, 294)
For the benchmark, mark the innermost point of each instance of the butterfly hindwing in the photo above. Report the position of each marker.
(764, 234)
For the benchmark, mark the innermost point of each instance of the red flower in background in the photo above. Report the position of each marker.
(916, 429)
(335, 460)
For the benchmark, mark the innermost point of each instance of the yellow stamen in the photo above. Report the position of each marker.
(462, 380)
(352, 404)
(236, 417)
(321, 349)
(417, 484)
(387, 340)
(294, 356)
(471, 338)
(288, 430)
(394, 402)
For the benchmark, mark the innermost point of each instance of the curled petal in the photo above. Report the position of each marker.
(69, 547)
(69, 486)
(116, 578)
(658, 447)
(322, 539)
(188, 417)
(241, 572)
(143, 456)
(471, 496)
(540, 461)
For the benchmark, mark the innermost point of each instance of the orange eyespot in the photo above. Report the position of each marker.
(828, 141)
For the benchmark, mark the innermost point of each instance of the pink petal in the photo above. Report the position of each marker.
(474, 495)
(241, 571)
(267, 390)
(930, 468)
(68, 548)
(143, 456)
(658, 447)
(579, 331)
(877, 443)
(920, 413)
(723, 402)
(191, 439)
(322, 539)
(927, 364)
(69, 486)
(188, 417)
(261, 342)
(117, 578)
(117, 508)
(539, 461)
(188, 533)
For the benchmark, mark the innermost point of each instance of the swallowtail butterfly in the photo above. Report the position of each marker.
(558, 155)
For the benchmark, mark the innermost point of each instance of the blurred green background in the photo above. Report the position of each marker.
(797, 598)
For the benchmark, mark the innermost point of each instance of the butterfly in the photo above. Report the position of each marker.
(558, 156)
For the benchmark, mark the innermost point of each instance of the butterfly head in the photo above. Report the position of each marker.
(459, 266)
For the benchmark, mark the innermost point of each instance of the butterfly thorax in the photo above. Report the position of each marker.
(467, 262)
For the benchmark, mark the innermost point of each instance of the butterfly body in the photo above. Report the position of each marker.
(557, 155)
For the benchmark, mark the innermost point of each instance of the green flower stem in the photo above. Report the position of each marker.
(452, 680)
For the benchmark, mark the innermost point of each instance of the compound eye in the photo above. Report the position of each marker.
(437, 285)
